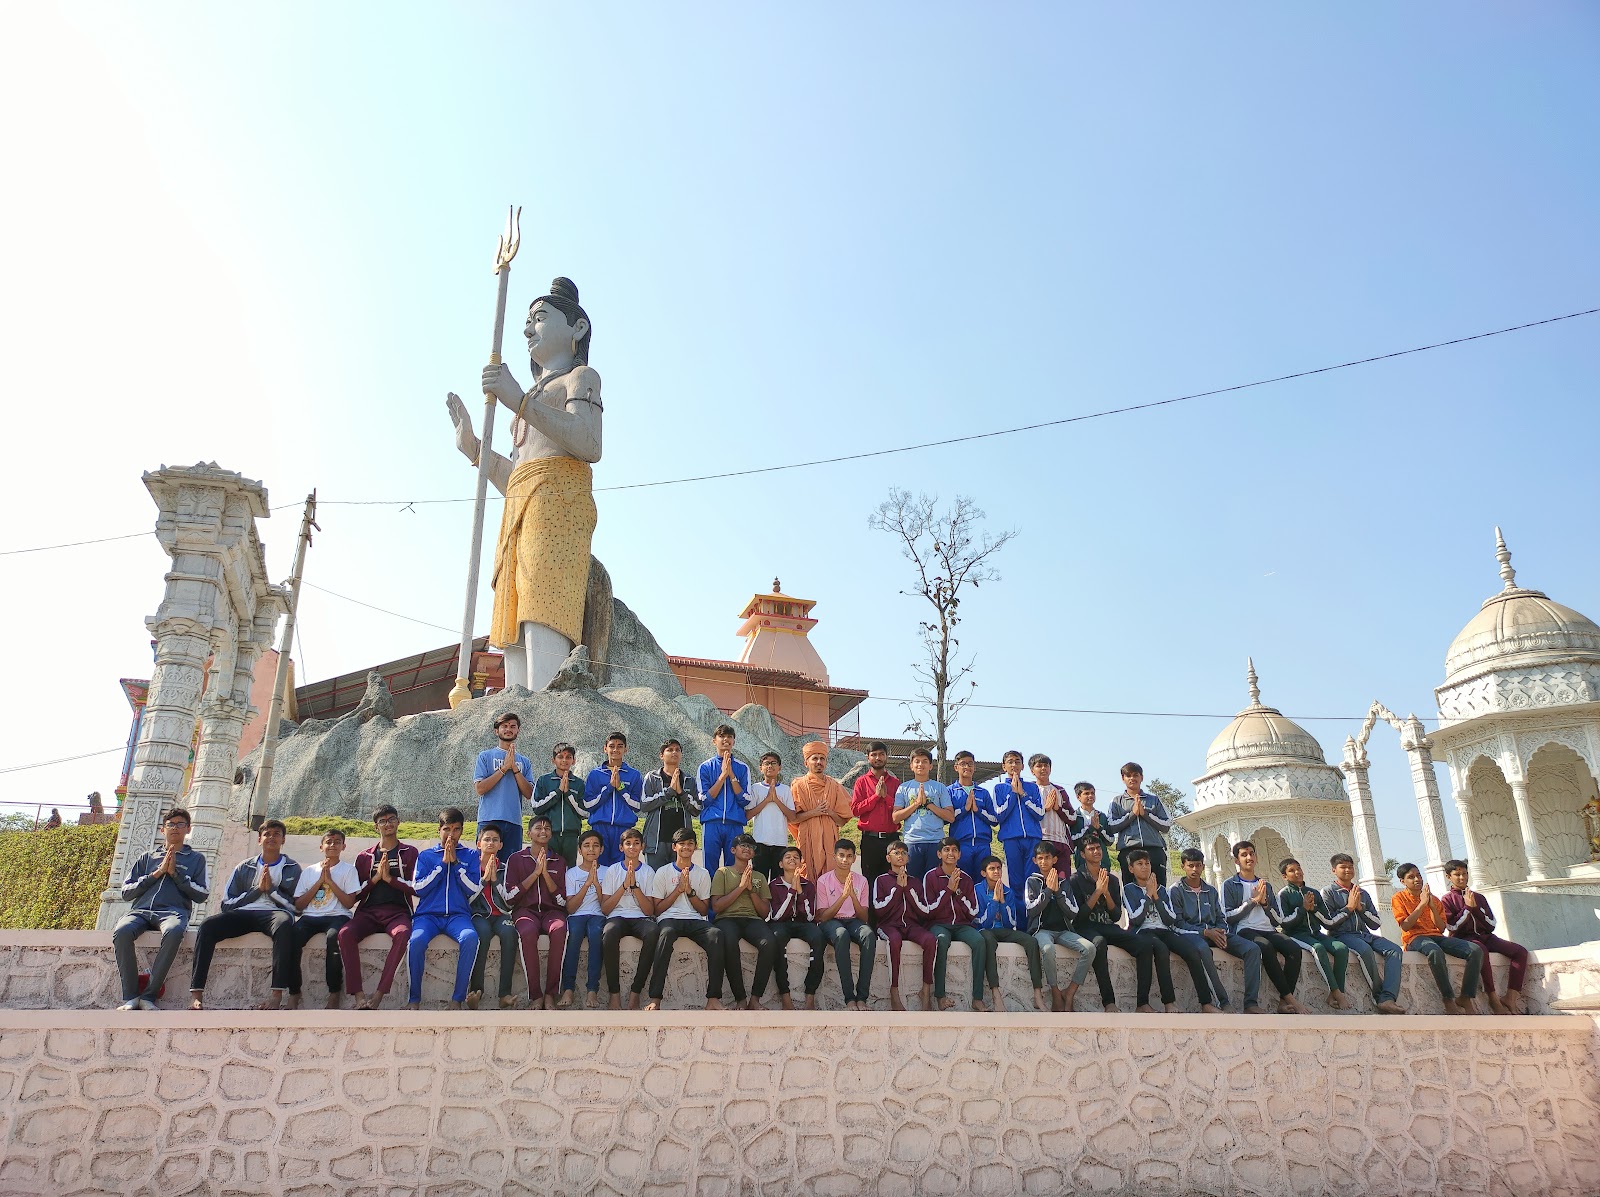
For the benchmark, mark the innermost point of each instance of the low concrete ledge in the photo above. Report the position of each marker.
(390, 1102)
(74, 970)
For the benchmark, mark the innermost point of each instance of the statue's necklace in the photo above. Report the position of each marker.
(519, 426)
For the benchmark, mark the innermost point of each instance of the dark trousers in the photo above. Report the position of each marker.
(510, 835)
(230, 924)
(618, 929)
(1516, 955)
(1280, 958)
(171, 924)
(393, 921)
(736, 930)
(874, 859)
(994, 937)
(1189, 949)
(977, 951)
(582, 929)
(307, 928)
(923, 857)
(917, 934)
(841, 933)
(503, 928)
(769, 860)
(1141, 947)
(668, 933)
(1436, 948)
(1158, 866)
(530, 925)
(782, 933)
(565, 845)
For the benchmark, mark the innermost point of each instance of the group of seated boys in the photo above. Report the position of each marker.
(929, 875)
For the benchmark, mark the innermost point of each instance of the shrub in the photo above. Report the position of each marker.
(52, 880)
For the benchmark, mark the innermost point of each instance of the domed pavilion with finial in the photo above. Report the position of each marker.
(1267, 781)
(1519, 729)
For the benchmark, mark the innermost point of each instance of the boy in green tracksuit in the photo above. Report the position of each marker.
(1305, 920)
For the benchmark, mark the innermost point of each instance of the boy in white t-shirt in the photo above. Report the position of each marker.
(682, 893)
(626, 902)
(771, 811)
(585, 922)
(324, 896)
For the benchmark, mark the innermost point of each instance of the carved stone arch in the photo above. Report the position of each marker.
(1221, 857)
(1560, 781)
(1271, 847)
(1494, 823)
(1577, 739)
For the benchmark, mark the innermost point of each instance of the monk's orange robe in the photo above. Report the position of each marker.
(817, 836)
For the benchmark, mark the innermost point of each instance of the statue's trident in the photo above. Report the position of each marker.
(510, 242)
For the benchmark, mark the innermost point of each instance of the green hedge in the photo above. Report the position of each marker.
(52, 880)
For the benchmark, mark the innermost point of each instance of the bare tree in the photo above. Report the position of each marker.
(949, 553)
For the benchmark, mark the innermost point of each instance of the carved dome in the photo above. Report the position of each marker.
(1261, 735)
(1519, 627)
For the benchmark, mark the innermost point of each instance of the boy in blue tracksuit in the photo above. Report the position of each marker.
(1018, 811)
(1139, 820)
(1197, 910)
(612, 794)
(1002, 918)
(447, 882)
(1354, 921)
(162, 887)
(724, 800)
(973, 826)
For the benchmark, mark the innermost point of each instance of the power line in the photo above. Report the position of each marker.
(953, 440)
(373, 607)
(61, 760)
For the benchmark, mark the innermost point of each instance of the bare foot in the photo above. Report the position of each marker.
(1451, 1008)
(788, 1002)
(1208, 1008)
(508, 1002)
(633, 1001)
(714, 1004)
(894, 1000)
(927, 997)
(755, 1003)
(997, 1001)
(1390, 1008)
(1147, 1008)
(413, 1005)
(333, 1002)
(452, 1004)
(565, 1000)
(1254, 1010)
(1111, 1009)
(811, 1001)
(979, 1007)
(1068, 997)
(1170, 1007)
(377, 998)
(615, 1003)
(1497, 1006)
(473, 998)
(653, 1004)
(363, 1001)
(273, 1002)
(196, 1002)
(293, 1002)
(592, 1000)
(550, 1002)
(1039, 1002)
(1467, 1005)
(1291, 1004)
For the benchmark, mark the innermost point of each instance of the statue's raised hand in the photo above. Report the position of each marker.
(499, 382)
(466, 439)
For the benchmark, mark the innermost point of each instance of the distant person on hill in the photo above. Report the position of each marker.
(162, 887)
(447, 881)
(323, 898)
(54, 820)
(923, 811)
(558, 796)
(973, 826)
(771, 812)
(383, 906)
(897, 904)
(1139, 820)
(872, 805)
(535, 886)
(503, 778)
(612, 794)
(682, 891)
(671, 800)
(724, 799)
(1353, 919)
(1468, 917)
(260, 899)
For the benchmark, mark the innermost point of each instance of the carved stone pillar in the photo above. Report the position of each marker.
(1364, 823)
(1530, 838)
(1430, 809)
(216, 589)
(162, 753)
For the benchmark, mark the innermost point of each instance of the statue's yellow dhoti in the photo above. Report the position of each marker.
(541, 561)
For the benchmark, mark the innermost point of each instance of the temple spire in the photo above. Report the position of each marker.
(1255, 682)
(1503, 556)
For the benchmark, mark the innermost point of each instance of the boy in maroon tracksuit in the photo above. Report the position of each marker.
(383, 906)
(1467, 916)
(950, 905)
(535, 890)
(793, 916)
(897, 911)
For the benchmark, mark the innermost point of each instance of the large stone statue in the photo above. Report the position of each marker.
(541, 563)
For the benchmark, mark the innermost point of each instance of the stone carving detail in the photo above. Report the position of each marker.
(918, 1105)
(1494, 821)
(1520, 690)
(1558, 786)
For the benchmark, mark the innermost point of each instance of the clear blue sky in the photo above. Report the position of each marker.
(261, 236)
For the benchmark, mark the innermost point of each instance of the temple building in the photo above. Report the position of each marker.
(1267, 781)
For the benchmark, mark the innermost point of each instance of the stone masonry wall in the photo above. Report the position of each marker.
(234, 1104)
